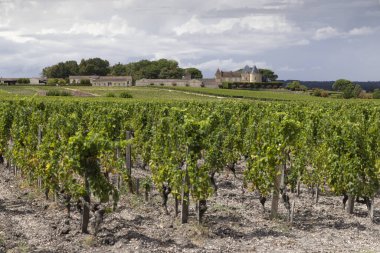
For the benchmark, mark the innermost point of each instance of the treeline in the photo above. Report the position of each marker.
(346, 88)
(95, 66)
(160, 69)
(327, 85)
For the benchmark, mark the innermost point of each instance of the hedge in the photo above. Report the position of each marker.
(243, 85)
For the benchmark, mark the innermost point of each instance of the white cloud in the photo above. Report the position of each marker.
(15, 37)
(116, 26)
(326, 33)
(261, 23)
(6, 7)
(257, 4)
(268, 23)
(330, 32)
(122, 3)
(361, 31)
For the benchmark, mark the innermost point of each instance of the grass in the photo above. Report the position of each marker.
(58, 93)
(108, 93)
(268, 95)
(114, 94)
(143, 93)
(280, 94)
(89, 241)
(125, 94)
(135, 201)
(22, 247)
(2, 240)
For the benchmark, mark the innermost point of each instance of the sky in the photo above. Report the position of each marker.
(298, 39)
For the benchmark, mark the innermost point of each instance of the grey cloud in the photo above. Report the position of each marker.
(270, 33)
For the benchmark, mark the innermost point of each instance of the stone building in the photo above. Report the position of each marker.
(32, 81)
(103, 80)
(170, 82)
(247, 74)
(112, 81)
(78, 79)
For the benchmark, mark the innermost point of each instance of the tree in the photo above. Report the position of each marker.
(349, 89)
(352, 91)
(320, 93)
(72, 68)
(341, 84)
(194, 73)
(56, 81)
(268, 75)
(296, 86)
(376, 94)
(94, 66)
(118, 70)
(161, 69)
(85, 82)
(61, 70)
(23, 81)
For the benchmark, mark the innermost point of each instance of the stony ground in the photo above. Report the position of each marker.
(234, 222)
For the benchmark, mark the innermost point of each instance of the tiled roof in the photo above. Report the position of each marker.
(113, 78)
(248, 69)
(83, 77)
(103, 78)
(231, 74)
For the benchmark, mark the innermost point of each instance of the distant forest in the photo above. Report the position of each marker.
(160, 69)
(327, 85)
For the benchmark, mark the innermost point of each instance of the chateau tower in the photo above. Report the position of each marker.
(255, 76)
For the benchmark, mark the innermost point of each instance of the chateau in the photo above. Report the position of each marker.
(248, 74)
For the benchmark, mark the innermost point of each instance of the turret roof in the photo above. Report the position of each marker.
(255, 70)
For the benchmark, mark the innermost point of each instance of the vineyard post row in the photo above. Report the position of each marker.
(326, 146)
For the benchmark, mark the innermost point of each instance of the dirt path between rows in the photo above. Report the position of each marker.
(196, 94)
(80, 93)
(234, 222)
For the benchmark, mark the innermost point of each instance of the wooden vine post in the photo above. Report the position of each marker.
(86, 206)
(201, 209)
(117, 177)
(138, 186)
(372, 209)
(275, 196)
(292, 210)
(9, 160)
(176, 205)
(350, 204)
(147, 189)
(128, 161)
(185, 197)
(39, 136)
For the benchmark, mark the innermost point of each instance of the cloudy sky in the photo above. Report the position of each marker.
(298, 39)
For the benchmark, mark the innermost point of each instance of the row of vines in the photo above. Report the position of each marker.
(77, 148)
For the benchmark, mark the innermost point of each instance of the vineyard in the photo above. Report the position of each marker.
(88, 153)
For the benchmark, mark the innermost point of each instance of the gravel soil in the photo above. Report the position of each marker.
(234, 222)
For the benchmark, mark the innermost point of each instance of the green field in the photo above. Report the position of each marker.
(282, 95)
(138, 93)
(167, 93)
